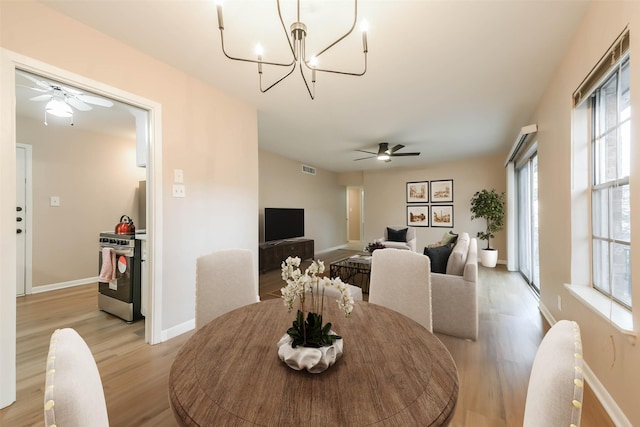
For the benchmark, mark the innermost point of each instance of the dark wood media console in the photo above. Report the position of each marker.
(272, 254)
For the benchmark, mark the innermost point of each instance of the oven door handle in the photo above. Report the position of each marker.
(128, 252)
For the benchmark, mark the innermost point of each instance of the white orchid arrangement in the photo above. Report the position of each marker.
(311, 333)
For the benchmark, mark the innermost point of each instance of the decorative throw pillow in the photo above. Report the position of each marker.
(449, 237)
(396, 235)
(458, 257)
(439, 257)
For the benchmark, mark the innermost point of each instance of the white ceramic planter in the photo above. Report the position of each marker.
(489, 257)
(314, 360)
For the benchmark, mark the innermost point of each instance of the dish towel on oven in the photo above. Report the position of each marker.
(108, 270)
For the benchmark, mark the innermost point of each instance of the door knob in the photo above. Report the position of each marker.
(19, 230)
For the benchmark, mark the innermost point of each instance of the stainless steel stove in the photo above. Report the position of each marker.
(119, 291)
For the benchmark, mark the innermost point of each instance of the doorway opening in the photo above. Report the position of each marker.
(355, 217)
(10, 62)
(88, 172)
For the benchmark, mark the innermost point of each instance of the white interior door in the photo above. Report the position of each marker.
(22, 158)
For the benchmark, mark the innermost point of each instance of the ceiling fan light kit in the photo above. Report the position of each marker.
(385, 153)
(297, 46)
(59, 108)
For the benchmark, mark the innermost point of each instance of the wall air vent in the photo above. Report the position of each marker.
(309, 169)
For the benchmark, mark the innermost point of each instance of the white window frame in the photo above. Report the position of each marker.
(528, 246)
(581, 286)
(607, 186)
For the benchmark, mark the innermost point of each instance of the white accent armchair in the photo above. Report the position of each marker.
(393, 237)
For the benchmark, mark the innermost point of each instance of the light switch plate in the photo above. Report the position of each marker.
(54, 201)
(178, 176)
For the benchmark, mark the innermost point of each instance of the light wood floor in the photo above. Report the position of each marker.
(493, 371)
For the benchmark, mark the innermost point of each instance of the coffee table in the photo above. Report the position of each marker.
(354, 270)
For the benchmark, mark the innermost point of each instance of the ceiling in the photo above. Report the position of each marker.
(451, 79)
(117, 120)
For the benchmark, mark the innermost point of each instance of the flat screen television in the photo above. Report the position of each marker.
(283, 223)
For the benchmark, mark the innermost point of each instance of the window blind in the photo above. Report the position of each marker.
(616, 51)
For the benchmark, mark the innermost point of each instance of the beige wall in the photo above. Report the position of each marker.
(209, 135)
(96, 177)
(385, 200)
(613, 358)
(284, 185)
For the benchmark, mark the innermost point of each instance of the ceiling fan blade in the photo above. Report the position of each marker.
(40, 83)
(76, 103)
(404, 154)
(368, 152)
(94, 100)
(40, 98)
(37, 89)
(396, 148)
(70, 90)
(364, 158)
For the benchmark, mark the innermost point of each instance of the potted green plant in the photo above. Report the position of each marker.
(488, 205)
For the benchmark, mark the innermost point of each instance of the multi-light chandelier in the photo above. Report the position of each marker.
(297, 45)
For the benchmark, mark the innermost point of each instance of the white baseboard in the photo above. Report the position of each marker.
(63, 285)
(608, 403)
(180, 329)
(546, 313)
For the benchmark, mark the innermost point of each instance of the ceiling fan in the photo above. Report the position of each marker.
(61, 98)
(385, 153)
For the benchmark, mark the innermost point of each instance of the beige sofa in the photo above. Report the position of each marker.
(454, 297)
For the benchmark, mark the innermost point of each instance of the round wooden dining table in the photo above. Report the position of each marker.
(393, 372)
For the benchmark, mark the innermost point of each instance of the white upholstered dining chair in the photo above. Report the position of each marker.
(73, 394)
(225, 280)
(556, 384)
(401, 280)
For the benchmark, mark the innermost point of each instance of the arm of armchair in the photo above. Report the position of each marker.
(454, 306)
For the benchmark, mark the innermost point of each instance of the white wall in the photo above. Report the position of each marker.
(96, 177)
(613, 358)
(283, 185)
(209, 135)
(385, 201)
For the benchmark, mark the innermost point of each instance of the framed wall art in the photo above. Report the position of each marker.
(418, 192)
(442, 191)
(442, 216)
(418, 216)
